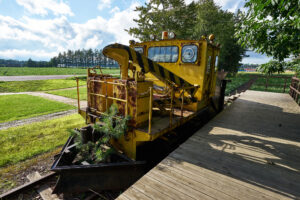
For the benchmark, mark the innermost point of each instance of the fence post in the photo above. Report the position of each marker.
(267, 77)
(284, 85)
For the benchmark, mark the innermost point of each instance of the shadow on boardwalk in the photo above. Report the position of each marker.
(252, 142)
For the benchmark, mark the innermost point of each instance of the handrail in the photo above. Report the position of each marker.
(150, 109)
(113, 83)
(295, 89)
(78, 99)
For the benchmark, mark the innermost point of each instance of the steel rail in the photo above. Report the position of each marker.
(26, 186)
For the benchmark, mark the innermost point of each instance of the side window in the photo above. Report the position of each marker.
(216, 63)
(189, 53)
(139, 49)
(167, 54)
(208, 65)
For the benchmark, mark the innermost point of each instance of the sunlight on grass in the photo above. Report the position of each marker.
(236, 81)
(23, 142)
(72, 93)
(21, 71)
(38, 85)
(274, 84)
(21, 106)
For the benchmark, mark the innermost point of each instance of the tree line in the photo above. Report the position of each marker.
(82, 58)
(79, 58)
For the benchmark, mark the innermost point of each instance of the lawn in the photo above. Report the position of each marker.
(24, 142)
(236, 81)
(22, 71)
(278, 84)
(38, 85)
(21, 106)
(71, 93)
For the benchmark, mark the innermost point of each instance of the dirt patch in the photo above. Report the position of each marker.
(15, 175)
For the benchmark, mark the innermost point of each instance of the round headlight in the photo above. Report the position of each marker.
(188, 54)
(172, 35)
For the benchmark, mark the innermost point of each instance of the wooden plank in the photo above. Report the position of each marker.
(257, 174)
(134, 194)
(219, 182)
(184, 188)
(247, 162)
(197, 186)
(45, 191)
(122, 197)
(261, 152)
(150, 191)
(241, 154)
(165, 189)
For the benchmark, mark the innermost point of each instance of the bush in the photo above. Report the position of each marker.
(271, 67)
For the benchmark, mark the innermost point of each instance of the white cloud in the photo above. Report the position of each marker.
(41, 7)
(121, 21)
(93, 42)
(38, 54)
(188, 1)
(104, 4)
(59, 34)
(114, 10)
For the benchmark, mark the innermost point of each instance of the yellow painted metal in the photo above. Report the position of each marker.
(134, 91)
(137, 100)
(150, 109)
(194, 73)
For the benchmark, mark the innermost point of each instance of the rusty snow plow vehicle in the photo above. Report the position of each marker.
(162, 85)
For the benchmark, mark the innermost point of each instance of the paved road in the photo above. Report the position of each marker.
(29, 78)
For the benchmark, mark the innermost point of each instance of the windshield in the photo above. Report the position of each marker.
(163, 54)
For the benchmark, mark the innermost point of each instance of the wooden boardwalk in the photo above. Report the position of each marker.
(249, 151)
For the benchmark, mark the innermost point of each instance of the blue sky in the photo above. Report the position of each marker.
(39, 29)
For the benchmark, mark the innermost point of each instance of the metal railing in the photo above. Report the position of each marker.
(106, 83)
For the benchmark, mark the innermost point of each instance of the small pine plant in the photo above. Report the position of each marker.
(113, 128)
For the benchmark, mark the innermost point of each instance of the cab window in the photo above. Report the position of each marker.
(216, 63)
(189, 53)
(167, 54)
(139, 49)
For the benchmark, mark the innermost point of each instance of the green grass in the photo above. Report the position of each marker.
(22, 71)
(259, 85)
(71, 93)
(21, 106)
(236, 81)
(24, 142)
(38, 85)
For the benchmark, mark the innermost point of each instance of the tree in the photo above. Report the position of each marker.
(31, 63)
(164, 15)
(294, 65)
(271, 67)
(271, 27)
(191, 22)
(212, 19)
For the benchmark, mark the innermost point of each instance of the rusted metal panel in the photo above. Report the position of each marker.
(138, 100)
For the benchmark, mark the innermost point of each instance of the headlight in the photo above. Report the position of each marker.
(172, 35)
(188, 54)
